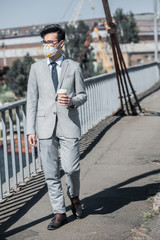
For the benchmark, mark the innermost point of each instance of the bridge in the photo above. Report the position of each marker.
(119, 157)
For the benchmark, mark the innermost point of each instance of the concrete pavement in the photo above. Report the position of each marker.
(118, 174)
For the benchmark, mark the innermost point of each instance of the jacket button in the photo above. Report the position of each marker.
(54, 112)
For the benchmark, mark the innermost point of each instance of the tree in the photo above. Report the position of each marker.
(3, 72)
(27, 61)
(75, 38)
(17, 76)
(127, 30)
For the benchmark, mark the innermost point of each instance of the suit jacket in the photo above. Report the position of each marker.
(43, 107)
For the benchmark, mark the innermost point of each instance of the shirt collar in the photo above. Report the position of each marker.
(58, 61)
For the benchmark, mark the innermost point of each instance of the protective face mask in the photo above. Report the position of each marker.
(49, 51)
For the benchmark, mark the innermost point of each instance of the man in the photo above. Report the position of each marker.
(55, 120)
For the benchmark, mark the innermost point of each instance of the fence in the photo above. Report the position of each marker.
(19, 162)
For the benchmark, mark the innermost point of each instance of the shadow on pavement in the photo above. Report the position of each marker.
(114, 198)
(103, 202)
(151, 113)
(18, 207)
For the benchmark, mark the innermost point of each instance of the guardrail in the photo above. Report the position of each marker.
(103, 96)
(19, 162)
(15, 163)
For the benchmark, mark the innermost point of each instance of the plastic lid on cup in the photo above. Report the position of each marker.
(62, 91)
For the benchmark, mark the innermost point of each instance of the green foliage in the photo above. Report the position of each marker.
(100, 69)
(3, 72)
(150, 199)
(158, 178)
(7, 97)
(149, 215)
(75, 38)
(17, 76)
(127, 30)
(3, 88)
(27, 61)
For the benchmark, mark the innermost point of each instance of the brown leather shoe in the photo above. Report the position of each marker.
(76, 207)
(58, 221)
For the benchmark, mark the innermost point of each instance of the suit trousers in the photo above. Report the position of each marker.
(69, 156)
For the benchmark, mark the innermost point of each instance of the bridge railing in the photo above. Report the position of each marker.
(18, 161)
(16, 157)
(103, 96)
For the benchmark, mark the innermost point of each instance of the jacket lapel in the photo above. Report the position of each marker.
(63, 71)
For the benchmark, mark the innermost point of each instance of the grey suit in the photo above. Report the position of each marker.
(42, 104)
(56, 124)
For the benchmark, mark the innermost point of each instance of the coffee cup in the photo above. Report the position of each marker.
(61, 92)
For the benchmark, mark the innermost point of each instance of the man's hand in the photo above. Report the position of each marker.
(32, 139)
(64, 100)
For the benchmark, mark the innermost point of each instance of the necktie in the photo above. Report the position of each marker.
(54, 76)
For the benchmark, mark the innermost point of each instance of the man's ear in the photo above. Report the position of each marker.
(61, 43)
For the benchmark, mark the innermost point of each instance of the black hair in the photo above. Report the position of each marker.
(52, 28)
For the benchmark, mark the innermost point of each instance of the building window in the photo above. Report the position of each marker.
(146, 57)
(139, 61)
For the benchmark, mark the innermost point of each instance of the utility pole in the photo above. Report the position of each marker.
(126, 91)
(155, 30)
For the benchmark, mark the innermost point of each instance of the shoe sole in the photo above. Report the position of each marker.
(54, 228)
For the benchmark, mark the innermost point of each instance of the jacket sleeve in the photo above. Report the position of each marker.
(81, 96)
(32, 99)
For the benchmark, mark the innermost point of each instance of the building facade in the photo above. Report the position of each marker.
(17, 42)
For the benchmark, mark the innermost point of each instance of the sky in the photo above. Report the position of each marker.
(18, 13)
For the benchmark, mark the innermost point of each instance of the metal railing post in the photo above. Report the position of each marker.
(5, 153)
(26, 141)
(1, 190)
(12, 148)
(19, 145)
(33, 159)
